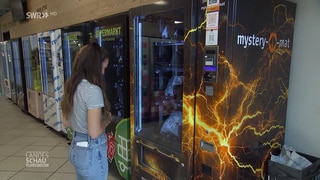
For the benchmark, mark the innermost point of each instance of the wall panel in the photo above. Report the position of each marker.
(64, 13)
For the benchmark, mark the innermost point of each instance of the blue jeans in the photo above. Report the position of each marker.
(89, 159)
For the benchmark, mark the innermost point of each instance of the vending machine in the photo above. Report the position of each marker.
(19, 74)
(4, 57)
(12, 75)
(2, 74)
(32, 75)
(10, 87)
(50, 53)
(209, 84)
(112, 34)
(73, 38)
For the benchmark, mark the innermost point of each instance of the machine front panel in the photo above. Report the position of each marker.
(242, 99)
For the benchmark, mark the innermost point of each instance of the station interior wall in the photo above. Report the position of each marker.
(64, 13)
(303, 122)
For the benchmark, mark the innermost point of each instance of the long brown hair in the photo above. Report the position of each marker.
(87, 65)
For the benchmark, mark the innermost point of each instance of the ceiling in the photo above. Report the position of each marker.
(4, 7)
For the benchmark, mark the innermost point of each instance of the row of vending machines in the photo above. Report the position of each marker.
(36, 66)
(201, 87)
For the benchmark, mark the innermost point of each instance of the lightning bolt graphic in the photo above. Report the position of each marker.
(245, 117)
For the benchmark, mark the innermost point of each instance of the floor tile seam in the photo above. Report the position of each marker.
(58, 133)
(6, 143)
(18, 113)
(6, 157)
(31, 172)
(58, 173)
(35, 129)
(35, 145)
(63, 164)
(12, 127)
(61, 167)
(53, 131)
(16, 172)
(12, 155)
(34, 136)
(22, 134)
(9, 143)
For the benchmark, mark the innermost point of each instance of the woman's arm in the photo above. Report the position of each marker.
(65, 122)
(95, 126)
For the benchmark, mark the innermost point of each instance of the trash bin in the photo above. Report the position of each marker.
(278, 171)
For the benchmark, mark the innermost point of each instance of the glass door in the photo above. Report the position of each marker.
(46, 65)
(19, 83)
(32, 75)
(50, 52)
(159, 90)
(2, 72)
(5, 69)
(112, 34)
(159, 62)
(12, 74)
(72, 40)
(32, 62)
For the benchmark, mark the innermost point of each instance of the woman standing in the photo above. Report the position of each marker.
(85, 109)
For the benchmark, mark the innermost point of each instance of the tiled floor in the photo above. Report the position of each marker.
(21, 134)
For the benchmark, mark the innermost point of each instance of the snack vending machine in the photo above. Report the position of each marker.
(4, 57)
(112, 34)
(12, 75)
(19, 74)
(73, 38)
(2, 70)
(32, 75)
(9, 71)
(209, 87)
(50, 53)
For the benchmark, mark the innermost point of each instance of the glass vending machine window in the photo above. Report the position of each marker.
(159, 77)
(72, 41)
(32, 62)
(9, 60)
(16, 56)
(17, 66)
(46, 61)
(111, 36)
(4, 62)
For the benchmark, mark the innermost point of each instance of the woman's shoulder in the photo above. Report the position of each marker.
(89, 86)
(90, 92)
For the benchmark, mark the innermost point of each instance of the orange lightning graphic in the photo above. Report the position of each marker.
(245, 118)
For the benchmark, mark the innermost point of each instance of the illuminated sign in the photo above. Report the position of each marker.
(114, 31)
(272, 42)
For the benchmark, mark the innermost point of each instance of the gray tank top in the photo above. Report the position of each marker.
(87, 96)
